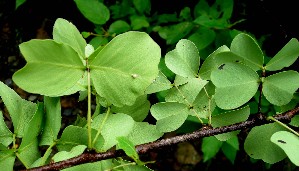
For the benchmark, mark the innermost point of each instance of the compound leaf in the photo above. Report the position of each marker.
(52, 68)
(125, 67)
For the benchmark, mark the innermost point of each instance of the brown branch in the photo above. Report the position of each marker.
(257, 120)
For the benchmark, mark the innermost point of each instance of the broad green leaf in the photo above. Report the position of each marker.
(246, 47)
(211, 63)
(258, 145)
(159, 84)
(210, 147)
(52, 120)
(229, 118)
(116, 125)
(95, 166)
(128, 147)
(295, 121)
(179, 80)
(204, 103)
(230, 80)
(43, 160)
(64, 155)
(20, 110)
(289, 143)
(29, 151)
(230, 148)
(119, 26)
(7, 160)
(279, 88)
(186, 93)
(19, 3)
(94, 11)
(172, 34)
(138, 111)
(73, 136)
(142, 6)
(169, 115)
(202, 37)
(285, 57)
(6, 136)
(184, 59)
(139, 22)
(52, 68)
(65, 32)
(144, 132)
(125, 67)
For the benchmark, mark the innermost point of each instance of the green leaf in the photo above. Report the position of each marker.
(144, 132)
(7, 160)
(20, 110)
(142, 6)
(289, 143)
(279, 88)
(184, 59)
(169, 115)
(19, 3)
(138, 111)
(202, 37)
(230, 80)
(73, 136)
(295, 121)
(125, 67)
(29, 151)
(64, 155)
(229, 118)
(246, 47)
(258, 145)
(52, 68)
(65, 32)
(52, 120)
(230, 149)
(186, 93)
(119, 26)
(172, 34)
(6, 136)
(210, 147)
(159, 84)
(211, 63)
(285, 57)
(128, 147)
(112, 128)
(139, 22)
(204, 103)
(94, 11)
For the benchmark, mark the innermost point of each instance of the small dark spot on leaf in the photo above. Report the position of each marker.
(237, 61)
(221, 66)
(281, 141)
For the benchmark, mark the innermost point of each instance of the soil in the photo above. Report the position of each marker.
(35, 19)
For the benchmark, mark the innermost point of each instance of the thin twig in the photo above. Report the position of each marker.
(259, 119)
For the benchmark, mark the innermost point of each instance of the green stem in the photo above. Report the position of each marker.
(88, 107)
(284, 125)
(20, 158)
(123, 165)
(47, 153)
(101, 126)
